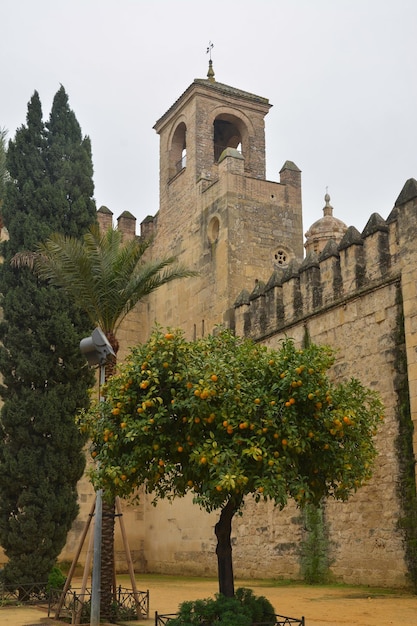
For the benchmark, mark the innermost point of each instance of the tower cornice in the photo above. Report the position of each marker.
(205, 87)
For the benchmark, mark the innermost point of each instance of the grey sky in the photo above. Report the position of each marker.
(341, 75)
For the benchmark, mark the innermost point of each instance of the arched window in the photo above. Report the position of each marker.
(229, 132)
(178, 151)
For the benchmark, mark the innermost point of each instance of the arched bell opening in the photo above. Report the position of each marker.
(228, 132)
(178, 150)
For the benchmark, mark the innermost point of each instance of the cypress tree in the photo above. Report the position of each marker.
(45, 380)
(70, 170)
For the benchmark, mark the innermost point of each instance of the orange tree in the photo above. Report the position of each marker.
(225, 418)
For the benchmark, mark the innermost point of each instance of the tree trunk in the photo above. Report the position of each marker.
(223, 530)
(108, 592)
(107, 562)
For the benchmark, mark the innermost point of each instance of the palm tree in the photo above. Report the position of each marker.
(106, 276)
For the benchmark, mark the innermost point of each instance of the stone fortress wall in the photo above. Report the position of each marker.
(357, 296)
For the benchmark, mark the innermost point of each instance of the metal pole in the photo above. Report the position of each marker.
(96, 575)
(95, 587)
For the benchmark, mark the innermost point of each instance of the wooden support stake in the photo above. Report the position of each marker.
(87, 567)
(75, 561)
(129, 559)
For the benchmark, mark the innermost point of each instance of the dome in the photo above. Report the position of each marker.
(324, 229)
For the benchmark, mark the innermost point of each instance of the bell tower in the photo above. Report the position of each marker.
(208, 118)
(217, 212)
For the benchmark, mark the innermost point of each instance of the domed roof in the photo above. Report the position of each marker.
(324, 229)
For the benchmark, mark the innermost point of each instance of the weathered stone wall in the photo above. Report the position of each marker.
(355, 297)
(365, 544)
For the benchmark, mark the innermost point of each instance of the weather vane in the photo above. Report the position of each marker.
(210, 48)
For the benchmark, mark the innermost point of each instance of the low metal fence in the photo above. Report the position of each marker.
(276, 620)
(162, 620)
(283, 620)
(33, 593)
(75, 607)
(139, 600)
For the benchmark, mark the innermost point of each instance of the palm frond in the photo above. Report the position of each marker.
(105, 275)
(149, 277)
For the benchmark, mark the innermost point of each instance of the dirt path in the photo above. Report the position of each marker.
(321, 606)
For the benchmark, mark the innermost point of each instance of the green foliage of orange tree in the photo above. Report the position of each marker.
(224, 418)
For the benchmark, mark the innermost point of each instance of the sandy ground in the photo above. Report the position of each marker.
(321, 606)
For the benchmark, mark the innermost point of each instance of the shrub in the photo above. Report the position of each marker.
(242, 610)
(259, 607)
(56, 579)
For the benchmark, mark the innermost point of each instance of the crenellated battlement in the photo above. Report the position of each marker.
(341, 271)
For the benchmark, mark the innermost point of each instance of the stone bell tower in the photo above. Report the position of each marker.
(217, 212)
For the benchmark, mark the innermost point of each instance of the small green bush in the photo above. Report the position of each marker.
(259, 607)
(242, 610)
(56, 579)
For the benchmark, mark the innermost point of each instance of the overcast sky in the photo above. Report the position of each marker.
(340, 74)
